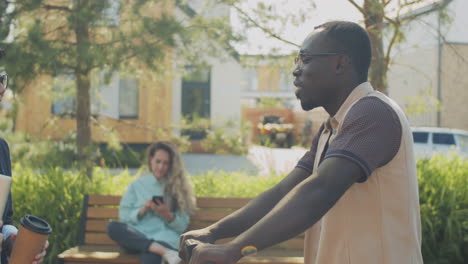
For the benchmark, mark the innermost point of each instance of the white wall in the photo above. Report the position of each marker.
(226, 79)
(457, 30)
(225, 92)
(413, 71)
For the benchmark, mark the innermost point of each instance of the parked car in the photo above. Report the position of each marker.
(434, 140)
(273, 131)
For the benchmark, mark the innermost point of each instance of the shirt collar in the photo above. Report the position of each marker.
(357, 93)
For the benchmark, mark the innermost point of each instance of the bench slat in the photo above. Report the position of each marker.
(90, 254)
(98, 239)
(202, 202)
(103, 213)
(96, 199)
(103, 239)
(98, 248)
(113, 213)
(93, 225)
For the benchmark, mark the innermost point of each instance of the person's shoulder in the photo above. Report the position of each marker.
(144, 179)
(373, 107)
(3, 143)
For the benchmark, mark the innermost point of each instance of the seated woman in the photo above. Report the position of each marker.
(156, 208)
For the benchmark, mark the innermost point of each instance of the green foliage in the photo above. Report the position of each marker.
(39, 153)
(237, 184)
(124, 157)
(228, 139)
(86, 36)
(443, 196)
(56, 195)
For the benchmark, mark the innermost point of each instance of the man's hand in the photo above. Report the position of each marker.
(202, 235)
(40, 257)
(215, 254)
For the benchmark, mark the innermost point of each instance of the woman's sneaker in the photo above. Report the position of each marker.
(171, 257)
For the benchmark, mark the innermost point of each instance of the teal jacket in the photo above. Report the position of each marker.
(152, 225)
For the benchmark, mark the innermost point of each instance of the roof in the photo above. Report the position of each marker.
(435, 5)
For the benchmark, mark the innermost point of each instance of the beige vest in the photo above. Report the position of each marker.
(377, 221)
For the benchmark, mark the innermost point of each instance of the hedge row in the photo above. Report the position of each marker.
(56, 195)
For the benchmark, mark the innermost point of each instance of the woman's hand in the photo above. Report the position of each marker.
(146, 206)
(162, 209)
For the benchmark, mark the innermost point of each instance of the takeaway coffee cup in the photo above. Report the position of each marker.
(32, 234)
(5, 182)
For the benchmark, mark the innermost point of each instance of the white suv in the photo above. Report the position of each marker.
(432, 140)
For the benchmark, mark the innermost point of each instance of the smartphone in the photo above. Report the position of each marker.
(160, 198)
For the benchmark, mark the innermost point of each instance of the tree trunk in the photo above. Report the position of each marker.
(373, 20)
(83, 84)
(83, 112)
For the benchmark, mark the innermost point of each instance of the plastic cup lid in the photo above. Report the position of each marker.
(36, 224)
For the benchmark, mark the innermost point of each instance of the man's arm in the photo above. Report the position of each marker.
(242, 219)
(301, 208)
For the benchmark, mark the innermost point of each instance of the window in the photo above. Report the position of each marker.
(443, 139)
(63, 92)
(463, 142)
(420, 137)
(251, 79)
(117, 98)
(128, 98)
(286, 80)
(111, 14)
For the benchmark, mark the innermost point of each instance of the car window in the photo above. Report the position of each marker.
(463, 142)
(443, 139)
(420, 137)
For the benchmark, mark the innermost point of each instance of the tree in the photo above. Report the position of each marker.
(378, 16)
(80, 37)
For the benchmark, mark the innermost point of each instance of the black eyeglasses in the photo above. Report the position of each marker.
(301, 59)
(4, 81)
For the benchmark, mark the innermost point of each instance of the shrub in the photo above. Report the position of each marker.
(443, 194)
(237, 184)
(56, 196)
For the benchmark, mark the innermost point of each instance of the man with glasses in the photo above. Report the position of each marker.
(8, 230)
(355, 192)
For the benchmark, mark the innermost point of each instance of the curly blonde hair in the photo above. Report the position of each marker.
(178, 190)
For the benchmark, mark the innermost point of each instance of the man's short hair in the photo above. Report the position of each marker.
(351, 39)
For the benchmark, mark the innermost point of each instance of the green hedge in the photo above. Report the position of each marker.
(56, 195)
(443, 195)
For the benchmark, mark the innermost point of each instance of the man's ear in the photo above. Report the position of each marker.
(342, 63)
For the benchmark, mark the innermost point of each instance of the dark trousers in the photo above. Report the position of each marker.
(134, 242)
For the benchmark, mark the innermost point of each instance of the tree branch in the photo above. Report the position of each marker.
(264, 29)
(390, 45)
(358, 7)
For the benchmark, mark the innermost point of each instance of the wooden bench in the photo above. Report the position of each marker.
(94, 246)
